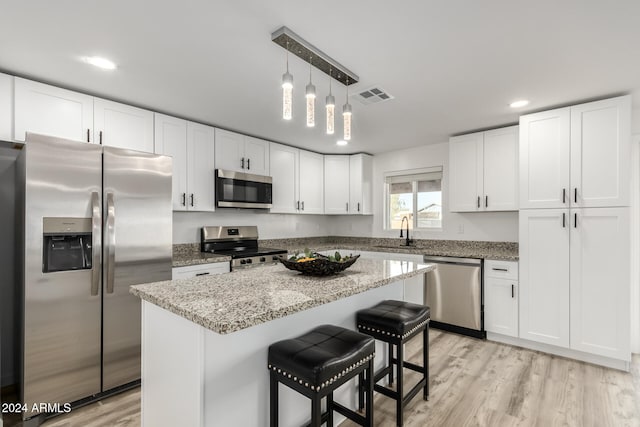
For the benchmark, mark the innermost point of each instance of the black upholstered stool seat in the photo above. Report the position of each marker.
(393, 318)
(318, 362)
(321, 356)
(395, 322)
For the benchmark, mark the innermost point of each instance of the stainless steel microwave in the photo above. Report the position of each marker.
(242, 190)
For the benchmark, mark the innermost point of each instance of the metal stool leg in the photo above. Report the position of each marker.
(369, 388)
(390, 363)
(316, 411)
(399, 390)
(273, 400)
(425, 360)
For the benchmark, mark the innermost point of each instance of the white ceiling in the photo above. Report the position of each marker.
(452, 65)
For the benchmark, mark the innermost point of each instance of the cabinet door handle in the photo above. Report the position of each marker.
(478, 202)
(248, 163)
(203, 274)
(242, 163)
(347, 206)
(513, 291)
(100, 137)
(303, 205)
(486, 201)
(575, 220)
(575, 195)
(499, 269)
(564, 222)
(88, 140)
(184, 199)
(358, 206)
(191, 197)
(298, 205)
(564, 195)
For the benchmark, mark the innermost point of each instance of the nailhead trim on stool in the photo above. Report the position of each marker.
(383, 332)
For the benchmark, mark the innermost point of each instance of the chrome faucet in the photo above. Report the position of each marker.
(407, 242)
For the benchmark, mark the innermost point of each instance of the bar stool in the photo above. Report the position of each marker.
(395, 322)
(317, 363)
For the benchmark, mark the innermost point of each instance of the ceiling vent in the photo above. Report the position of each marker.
(372, 95)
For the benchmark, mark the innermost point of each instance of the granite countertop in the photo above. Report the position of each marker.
(230, 302)
(189, 254)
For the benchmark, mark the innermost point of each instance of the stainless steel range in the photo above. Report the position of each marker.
(241, 243)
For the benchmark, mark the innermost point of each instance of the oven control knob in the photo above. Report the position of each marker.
(263, 259)
(249, 261)
(274, 258)
(243, 261)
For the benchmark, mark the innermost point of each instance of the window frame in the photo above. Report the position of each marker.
(414, 188)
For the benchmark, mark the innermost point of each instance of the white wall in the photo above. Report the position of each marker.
(491, 226)
(186, 225)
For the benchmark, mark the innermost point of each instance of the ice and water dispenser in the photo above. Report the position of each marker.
(66, 244)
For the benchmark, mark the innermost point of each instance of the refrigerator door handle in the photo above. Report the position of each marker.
(96, 234)
(111, 242)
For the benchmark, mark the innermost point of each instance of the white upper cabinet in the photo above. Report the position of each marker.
(122, 126)
(465, 172)
(576, 156)
(171, 140)
(297, 180)
(483, 171)
(284, 172)
(256, 152)
(544, 276)
(49, 110)
(600, 276)
(240, 153)
(500, 169)
(361, 184)
(311, 182)
(600, 133)
(6, 107)
(336, 185)
(200, 167)
(544, 159)
(192, 147)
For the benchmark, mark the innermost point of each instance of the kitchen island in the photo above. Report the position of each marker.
(205, 340)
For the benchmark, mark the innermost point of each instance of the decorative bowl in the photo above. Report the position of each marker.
(320, 266)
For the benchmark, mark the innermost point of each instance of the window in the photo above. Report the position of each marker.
(417, 195)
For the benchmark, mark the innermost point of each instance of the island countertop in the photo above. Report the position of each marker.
(231, 302)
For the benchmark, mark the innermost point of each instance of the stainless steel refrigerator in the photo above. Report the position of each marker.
(96, 220)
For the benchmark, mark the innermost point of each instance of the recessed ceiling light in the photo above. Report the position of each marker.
(342, 142)
(519, 103)
(99, 62)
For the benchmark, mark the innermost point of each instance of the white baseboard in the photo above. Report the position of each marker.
(564, 352)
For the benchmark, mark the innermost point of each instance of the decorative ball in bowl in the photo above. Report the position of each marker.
(315, 264)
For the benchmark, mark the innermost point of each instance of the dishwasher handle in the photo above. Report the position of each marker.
(451, 260)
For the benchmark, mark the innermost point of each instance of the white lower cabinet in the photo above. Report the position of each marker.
(501, 297)
(544, 276)
(192, 271)
(600, 275)
(575, 279)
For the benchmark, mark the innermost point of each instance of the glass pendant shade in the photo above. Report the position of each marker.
(287, 95)
(331, 109)
(311, 105)
(346, 116)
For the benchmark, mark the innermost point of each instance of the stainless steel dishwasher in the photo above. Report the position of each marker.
(453, 291)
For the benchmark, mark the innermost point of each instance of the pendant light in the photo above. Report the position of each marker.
(330, 103)
(346, 116)
(311, 100)
(287, 91)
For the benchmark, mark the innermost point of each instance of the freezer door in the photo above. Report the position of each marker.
(137, 249)
(62, 186)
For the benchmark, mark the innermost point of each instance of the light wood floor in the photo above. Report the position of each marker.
(473, 383)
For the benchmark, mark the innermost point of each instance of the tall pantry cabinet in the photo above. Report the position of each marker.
(574, 227)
